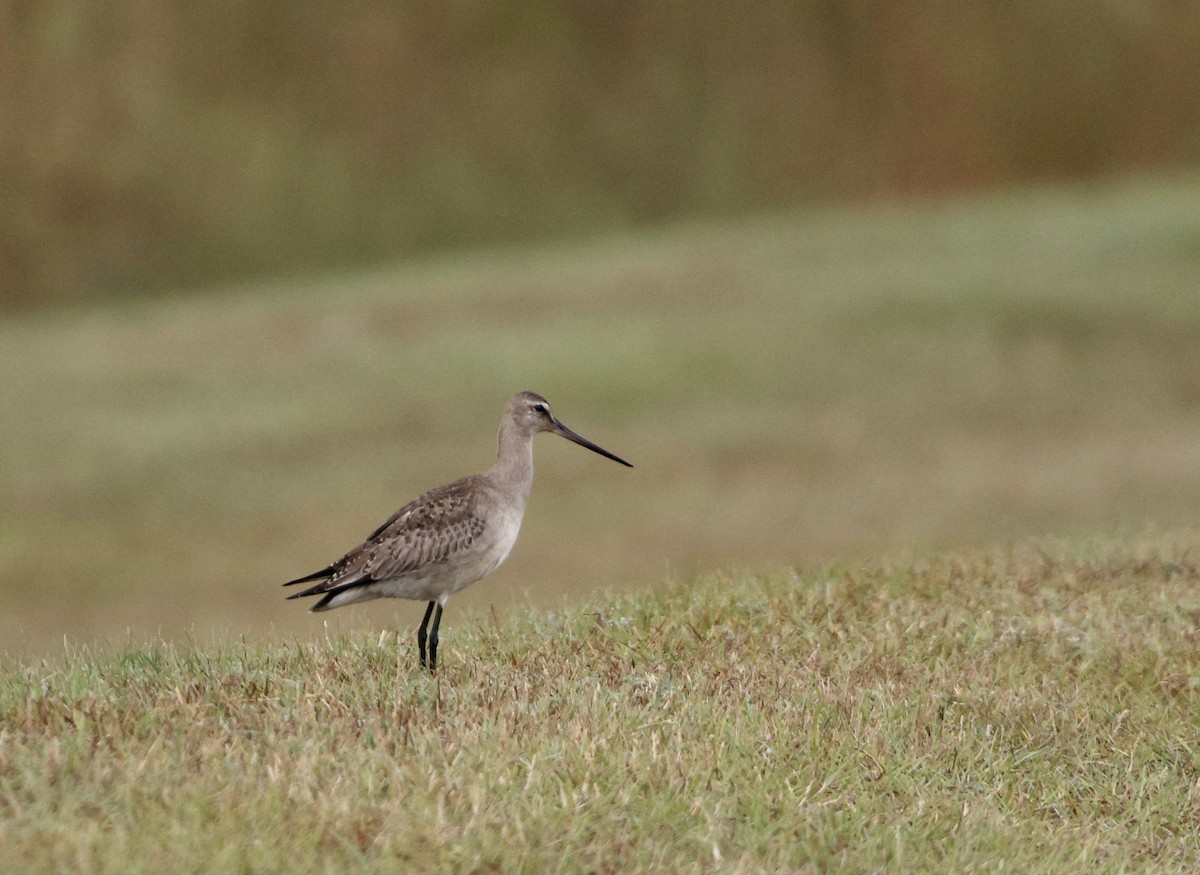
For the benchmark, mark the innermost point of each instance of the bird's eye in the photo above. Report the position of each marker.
(541, 408)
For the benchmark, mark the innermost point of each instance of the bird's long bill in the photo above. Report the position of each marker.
(559, 429)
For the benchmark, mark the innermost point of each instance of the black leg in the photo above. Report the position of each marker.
(433, 638)
(421, 633)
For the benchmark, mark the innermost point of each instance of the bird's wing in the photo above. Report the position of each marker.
(432, 528)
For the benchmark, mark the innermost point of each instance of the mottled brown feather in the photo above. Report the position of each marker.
(429, 529)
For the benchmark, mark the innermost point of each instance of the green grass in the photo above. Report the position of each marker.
(1032, 709)
(793, 389)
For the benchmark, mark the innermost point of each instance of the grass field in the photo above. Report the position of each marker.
(1032, 709)
(794, 390)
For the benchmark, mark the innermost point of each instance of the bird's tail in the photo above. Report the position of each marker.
(324, 574)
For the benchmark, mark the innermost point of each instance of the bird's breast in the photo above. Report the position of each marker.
(507, 527)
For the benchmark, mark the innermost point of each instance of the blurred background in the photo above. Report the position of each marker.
(840, 278)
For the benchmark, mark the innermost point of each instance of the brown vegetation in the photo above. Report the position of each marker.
(156, 144)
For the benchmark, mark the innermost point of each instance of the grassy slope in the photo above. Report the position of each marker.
(1026, 710)
(793, 389)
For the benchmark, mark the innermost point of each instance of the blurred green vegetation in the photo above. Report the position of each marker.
(148, 145)
(792, 388)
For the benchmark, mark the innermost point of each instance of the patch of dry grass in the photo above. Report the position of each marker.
(1025, 710)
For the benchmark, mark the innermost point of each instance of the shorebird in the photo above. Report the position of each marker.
(450, 537)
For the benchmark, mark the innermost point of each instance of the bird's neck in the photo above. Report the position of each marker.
(514, 458)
